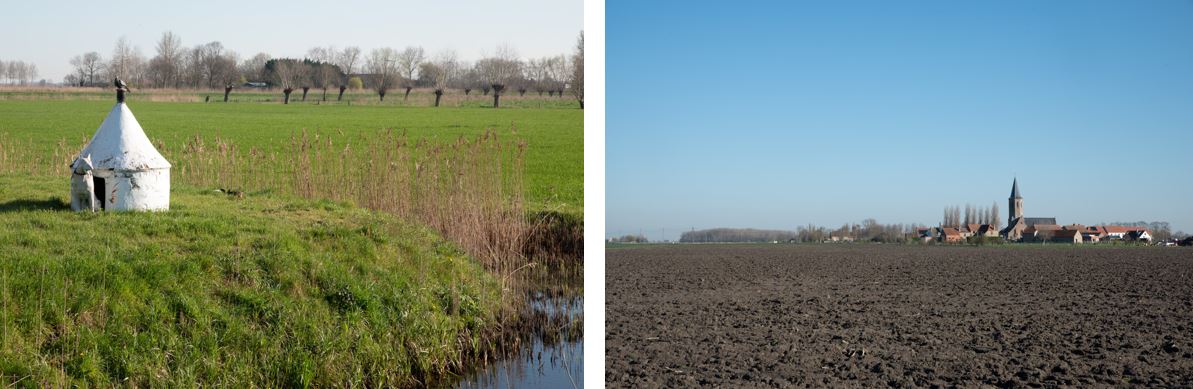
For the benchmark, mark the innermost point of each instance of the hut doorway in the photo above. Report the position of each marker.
(99, 192)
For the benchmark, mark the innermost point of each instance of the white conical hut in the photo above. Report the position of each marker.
(128, 173)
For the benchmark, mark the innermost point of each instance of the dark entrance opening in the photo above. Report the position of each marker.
(99, 192)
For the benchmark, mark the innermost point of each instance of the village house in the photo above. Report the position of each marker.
(926, 234)
(951, 235)
(1066, 236)
(1121, 232)
(1141, 235)
(987, 230)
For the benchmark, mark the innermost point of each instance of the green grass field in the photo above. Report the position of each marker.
(418, 97)
(266, 290)
(554, 161)
(223, 291)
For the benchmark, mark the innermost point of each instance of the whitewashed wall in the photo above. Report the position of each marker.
(147, 190)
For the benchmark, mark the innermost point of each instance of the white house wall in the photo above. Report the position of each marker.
(147, 190)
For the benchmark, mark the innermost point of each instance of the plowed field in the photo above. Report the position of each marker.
(872, 315)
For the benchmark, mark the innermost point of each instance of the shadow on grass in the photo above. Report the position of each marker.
(49, 204)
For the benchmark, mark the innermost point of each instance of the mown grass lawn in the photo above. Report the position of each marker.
(554, 166)
(226, 291)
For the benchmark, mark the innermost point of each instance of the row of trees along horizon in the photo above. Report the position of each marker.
(212, 66)
(868, 231)
(17, 72)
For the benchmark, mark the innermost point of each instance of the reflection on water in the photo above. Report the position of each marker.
(540, 364)
(557, 366)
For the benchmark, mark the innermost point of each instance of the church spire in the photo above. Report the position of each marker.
(1015, 189)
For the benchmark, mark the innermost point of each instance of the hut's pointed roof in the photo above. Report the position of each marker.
(121, 144)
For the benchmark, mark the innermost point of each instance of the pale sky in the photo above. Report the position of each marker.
(831, 112)
(49, 33)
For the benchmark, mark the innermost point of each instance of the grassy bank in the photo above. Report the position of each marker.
(229, 291)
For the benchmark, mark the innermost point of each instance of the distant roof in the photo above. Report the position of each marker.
(121, 144)
(1118, 229)
(1015, 189)
(1065, 234)
(1031, 221)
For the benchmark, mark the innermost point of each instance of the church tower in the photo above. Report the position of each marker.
(1015, 203)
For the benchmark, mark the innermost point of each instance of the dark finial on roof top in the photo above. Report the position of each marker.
(1015, 189)
(121, 87)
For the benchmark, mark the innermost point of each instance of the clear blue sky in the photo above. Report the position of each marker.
(779, 114)
(49, 33)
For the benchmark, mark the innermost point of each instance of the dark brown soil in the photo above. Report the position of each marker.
(872, 315)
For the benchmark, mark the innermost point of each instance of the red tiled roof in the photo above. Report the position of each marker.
(1122, 229)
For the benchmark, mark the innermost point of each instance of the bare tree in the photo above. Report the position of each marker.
(191, 71)
(577, 80)
(322, 54)
(10, 71)
(122, 59)
(447, 68)
(31, 72)
(994, 218)
(469, 78)
(87, 65)
(217, 66)
(3, 71)
(226, 72)
(347, 60)
(165, 68)
(18, 72)
(498, 71)
(537, 73)
(382, 64)
(560, 70)
(253, 68)
(323, 73)
(287, 73)
(408, 62)
(303, 72)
